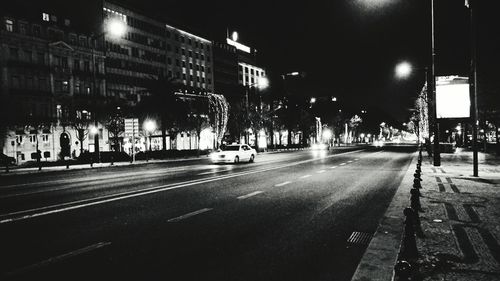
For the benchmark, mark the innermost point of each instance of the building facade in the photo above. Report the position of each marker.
(50, 74)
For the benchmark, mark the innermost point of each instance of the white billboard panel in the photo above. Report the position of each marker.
(452, 97)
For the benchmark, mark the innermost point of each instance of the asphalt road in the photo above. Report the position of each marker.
(287, 216)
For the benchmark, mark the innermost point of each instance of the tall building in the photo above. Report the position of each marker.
(151, 49)
(50, 74)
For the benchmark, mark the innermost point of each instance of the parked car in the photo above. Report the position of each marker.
(4, 160)
(234, 153)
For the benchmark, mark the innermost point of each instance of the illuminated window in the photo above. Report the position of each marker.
(45, 17)
(22, 28)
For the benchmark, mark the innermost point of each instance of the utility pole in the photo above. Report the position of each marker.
(473, 85)
(432, 86)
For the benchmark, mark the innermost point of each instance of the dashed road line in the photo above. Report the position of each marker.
(283, 183)
(73, 205)
(342, 164)
(305, 176)
(249, 195)
(320, 171)
(333, 167)
(59, 258)
(188, 215)
(350, 161)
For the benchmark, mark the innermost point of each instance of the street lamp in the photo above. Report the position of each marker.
(116, 28)
(403, 69)
(150, 127)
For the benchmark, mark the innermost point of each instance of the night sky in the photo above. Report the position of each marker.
(347, 48)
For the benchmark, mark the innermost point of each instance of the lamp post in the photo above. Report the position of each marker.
(402, 71)
(116, 28)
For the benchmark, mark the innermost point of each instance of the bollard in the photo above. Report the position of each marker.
(409, 246)
(415, 199)
(403, 270)
(416, 183)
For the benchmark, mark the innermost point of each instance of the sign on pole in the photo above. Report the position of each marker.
(131, 130)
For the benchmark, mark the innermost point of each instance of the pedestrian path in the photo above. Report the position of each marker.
(460, 220)
(456, 235)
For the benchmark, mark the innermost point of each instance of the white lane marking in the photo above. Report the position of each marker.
(333, 167)
(188, 215)
(342, 164)
(118, 176)
(249, 195)
(356, 159)
(68, 206)
(350, 161)
(320, 171)
(305, 176)
(59, 258)
(283, 183)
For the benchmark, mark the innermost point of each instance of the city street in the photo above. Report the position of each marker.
(288, 216)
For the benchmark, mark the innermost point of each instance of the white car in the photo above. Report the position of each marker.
(234, 153)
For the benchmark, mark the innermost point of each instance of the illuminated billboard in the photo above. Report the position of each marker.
(452, 97)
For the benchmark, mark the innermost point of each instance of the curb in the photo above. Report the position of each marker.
(382, 253)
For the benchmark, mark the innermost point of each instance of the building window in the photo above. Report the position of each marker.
(189, 41)
(209, 81)
(40, 57)
(209, 70)
(65, 86)
(14, 82)
(33, 138)
(27, 56)
(168, 34)
(22, 28)
(76, 65)
(36, 30)
(169, 48)
(86, 66)
(42, 84)
(190, 65)
(29, 83)
(183, 39)
(183, 51)
(9, 25)
(169, 60)
(45, 139)
(58, 86)
(14, 53)
(190, 53)
(177, 62)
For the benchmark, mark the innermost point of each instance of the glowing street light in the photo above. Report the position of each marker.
(313, 100)
(403, 69)
(115, 28)
(234, 36)
(94, 130)
(150, 127)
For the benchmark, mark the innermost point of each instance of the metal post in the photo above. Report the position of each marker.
(94, 84)
(473, 87)
(436, 154)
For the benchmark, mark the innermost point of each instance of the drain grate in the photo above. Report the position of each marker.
(360, 238)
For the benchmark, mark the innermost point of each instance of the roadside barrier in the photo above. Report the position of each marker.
(408, 253)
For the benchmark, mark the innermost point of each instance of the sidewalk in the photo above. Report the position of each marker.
(460, 223)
